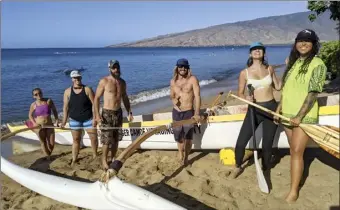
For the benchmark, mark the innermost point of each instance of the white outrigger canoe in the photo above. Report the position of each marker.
(221, 131)
(117, 195)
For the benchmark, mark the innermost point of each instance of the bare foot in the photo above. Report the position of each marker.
(73, 164)
(105, 165)
(291, 197)
(236, 172)
(180, 157)
(185, 162)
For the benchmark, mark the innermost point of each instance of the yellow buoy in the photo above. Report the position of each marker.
(227, 156)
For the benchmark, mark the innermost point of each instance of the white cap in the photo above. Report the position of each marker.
(75, 73)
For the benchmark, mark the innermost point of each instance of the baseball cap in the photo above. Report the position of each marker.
(112, 62)
(75, 73)
(307, 35)
(257, 45)
(182, 62)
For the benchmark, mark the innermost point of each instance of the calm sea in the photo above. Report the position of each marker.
(146, 70)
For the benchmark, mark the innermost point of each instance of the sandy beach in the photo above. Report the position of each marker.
(205, 184)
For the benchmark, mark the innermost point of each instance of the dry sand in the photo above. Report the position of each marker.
(202, 185)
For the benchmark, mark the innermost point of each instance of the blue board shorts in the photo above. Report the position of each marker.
(76, 125)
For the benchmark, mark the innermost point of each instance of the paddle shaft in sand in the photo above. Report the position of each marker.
(260, 177)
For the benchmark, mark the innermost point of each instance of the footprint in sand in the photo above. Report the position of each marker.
(224, 174)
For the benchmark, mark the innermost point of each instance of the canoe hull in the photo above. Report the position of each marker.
(214, 135)
(117, 194)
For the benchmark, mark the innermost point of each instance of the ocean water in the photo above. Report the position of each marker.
(147, 71)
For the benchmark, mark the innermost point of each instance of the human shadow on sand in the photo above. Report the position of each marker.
(43, 165)
(175, 195)
(309, 156)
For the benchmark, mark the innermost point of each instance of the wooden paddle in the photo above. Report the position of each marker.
(217, 99)
(259, 174)
(117, 164)
(328, 140)
(215, 102)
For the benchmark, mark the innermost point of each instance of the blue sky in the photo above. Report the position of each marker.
(97, 24)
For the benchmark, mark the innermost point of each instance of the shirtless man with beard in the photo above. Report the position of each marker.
(113, 90)
(184, 93)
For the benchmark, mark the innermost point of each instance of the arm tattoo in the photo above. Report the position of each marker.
(126, 102)
(307, 104)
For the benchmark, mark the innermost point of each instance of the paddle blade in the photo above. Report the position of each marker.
(260, 177)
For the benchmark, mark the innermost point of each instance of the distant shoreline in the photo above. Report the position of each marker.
(156, 47)
(146, 47)
(202, 46)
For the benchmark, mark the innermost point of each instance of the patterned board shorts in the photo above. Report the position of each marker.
(111, 118)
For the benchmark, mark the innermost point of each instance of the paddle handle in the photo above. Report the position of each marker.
(260, 107)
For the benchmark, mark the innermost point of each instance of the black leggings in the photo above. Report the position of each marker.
(246, 132)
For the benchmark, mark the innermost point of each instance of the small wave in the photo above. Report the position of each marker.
(158, 93)
(134, 99)
(62, 53)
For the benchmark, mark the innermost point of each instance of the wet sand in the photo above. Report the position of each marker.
(205, 184)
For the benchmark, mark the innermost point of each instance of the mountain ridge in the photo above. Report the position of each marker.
(272, 30)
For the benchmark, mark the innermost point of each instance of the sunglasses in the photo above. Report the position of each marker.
(257, 48)
(77, 78)
(38, 94)
(183, 66)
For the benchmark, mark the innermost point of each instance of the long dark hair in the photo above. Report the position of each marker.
(294, 55)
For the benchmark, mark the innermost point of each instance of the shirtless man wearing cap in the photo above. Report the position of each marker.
(113, 90)
(78, 106)
(184, 93)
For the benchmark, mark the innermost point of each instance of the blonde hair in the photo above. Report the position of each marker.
(175, 74)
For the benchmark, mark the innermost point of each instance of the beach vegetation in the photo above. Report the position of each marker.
(330, 51)
(330, 54)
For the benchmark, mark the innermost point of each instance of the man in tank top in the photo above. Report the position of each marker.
(78, 107)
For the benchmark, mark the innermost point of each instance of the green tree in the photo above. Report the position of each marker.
(330, 54)
(320, 7)
(330, 51)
